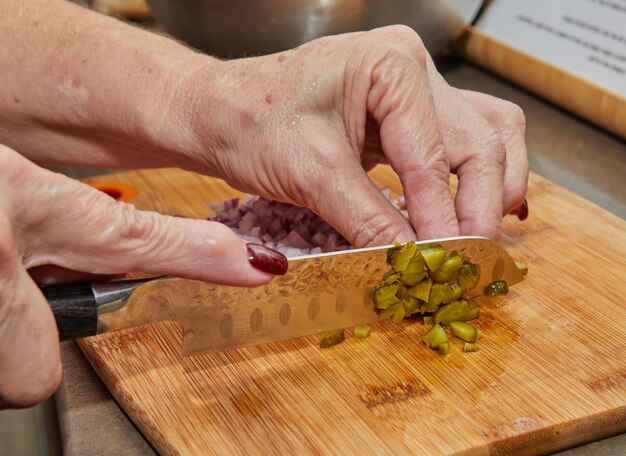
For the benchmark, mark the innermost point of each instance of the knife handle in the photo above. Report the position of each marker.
(74, 308)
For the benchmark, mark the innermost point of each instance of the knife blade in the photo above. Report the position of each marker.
(319, 293)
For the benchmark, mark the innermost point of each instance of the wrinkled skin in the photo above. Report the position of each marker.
(300, 126)
(316, 116)
(49, 219)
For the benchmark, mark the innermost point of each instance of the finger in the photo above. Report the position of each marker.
(30, 363)
(98, 235)
(53, 275)
(508, 120)
(477, 155)
(400, 100)
(347, 199)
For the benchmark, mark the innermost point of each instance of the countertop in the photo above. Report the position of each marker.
(562, 148)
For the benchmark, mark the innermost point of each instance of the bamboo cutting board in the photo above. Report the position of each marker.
(551, 371)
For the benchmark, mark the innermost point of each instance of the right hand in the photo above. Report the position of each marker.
(47, 219)
(303, 126)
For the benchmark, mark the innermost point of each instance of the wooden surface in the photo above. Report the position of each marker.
(591, 102)
(130, 9)
(551, 372)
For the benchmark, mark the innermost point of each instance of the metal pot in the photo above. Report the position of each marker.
(235, 28)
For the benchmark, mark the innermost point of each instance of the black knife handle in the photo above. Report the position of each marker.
(74, 308)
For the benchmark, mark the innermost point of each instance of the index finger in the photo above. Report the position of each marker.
(400, 99)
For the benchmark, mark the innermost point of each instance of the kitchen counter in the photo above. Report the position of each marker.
(562, 148)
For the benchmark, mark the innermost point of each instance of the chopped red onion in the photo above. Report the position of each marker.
(295, 231)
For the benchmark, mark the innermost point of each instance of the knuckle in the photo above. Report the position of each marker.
(515, 115)
(139, 231)
(377, 230)
(493, 149)
(404, 41)
(134, 225)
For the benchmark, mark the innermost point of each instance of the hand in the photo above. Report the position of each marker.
(49, 219)
(302, 125)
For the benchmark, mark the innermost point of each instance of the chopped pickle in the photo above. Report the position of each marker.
(386, 304)
(438, 293)
(499, 287)
(522, 267)
(414, 271)
(460, 310)
(433, 256)
(385, 295)
(391, 277)
(402, 256)
(423, 279)
(399, 315)
(394, 312)
(468, 348)
(421, 290)
(411, 305)
(434, 337)
(402, 294)
(468, 276)
(457, 292)
(330, 338)
(465, 331)
(362, 331)
(444, 273)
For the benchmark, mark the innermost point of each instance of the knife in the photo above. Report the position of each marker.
(318, 293)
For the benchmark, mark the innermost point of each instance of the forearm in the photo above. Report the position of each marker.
(83, 89)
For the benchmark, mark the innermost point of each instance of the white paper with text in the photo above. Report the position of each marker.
(586, 38)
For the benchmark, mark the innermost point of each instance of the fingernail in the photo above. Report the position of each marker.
(522, 211)
(266, 259)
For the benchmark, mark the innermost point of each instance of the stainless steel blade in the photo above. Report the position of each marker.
(318, 293)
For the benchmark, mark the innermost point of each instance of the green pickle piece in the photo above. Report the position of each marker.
(465, 331)
(394, 312)
(421, 290)
(434, 337)
(385, 295)
(429, 320)
(444, 349)
(362, 331)
(457, 292)
(447, 269)
(499, 287)
(460, 310)
(469, 347)
(439, 293)
(414, 271)
(433, 256)
(411, 306)
(391, 277)
(330, 338)
(468, 276)
(402, 256)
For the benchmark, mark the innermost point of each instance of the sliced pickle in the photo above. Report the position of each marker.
(433, 256)
(330, 338)
(499, 287)
(460, 310)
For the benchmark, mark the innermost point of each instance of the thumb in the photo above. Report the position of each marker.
(95, 234)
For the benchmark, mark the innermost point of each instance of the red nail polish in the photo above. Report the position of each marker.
(522, 211)
(266, 259)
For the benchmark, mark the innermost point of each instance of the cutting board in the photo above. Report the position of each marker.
(550, 372)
